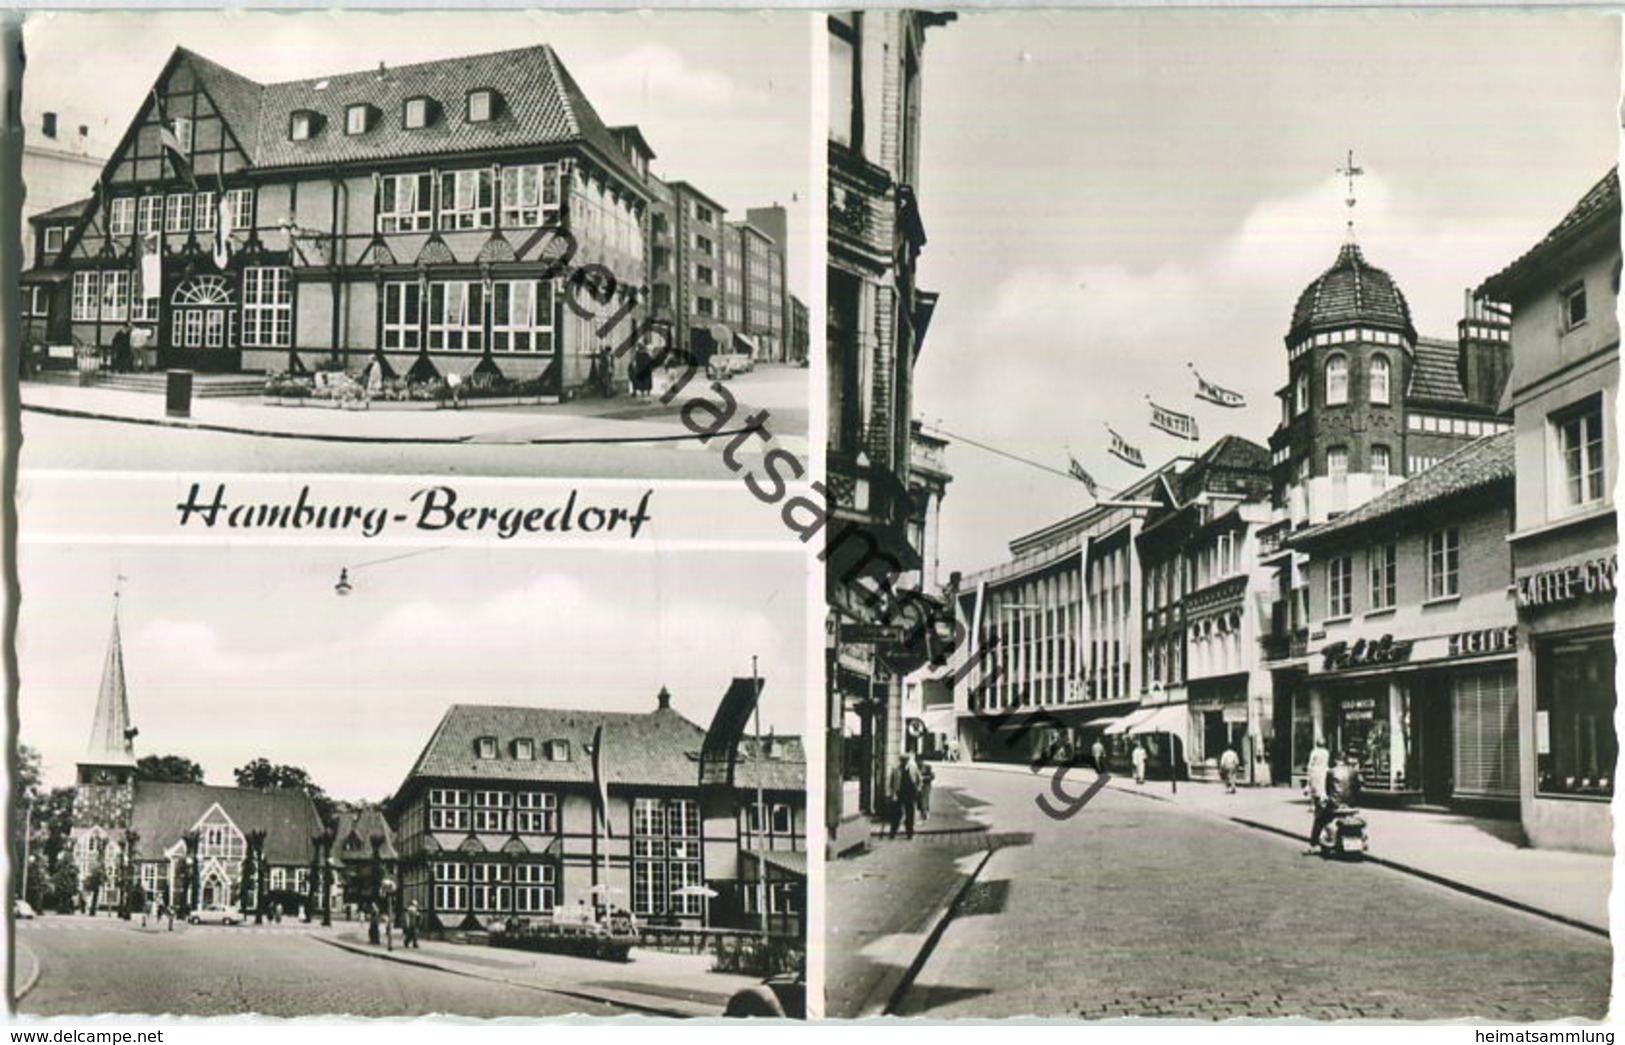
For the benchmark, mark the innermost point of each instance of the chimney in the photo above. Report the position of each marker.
(48, 125)
(664, 699)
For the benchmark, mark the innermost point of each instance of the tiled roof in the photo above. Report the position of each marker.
(355, 830)
(1349, 292)
(784, 768)
(1434, 375)
(1480, 463)
(163, 811)
(540, 105)
(62, 213)
(1601, 203)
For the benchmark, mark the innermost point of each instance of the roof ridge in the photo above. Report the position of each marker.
(556, 68)
(408, 66)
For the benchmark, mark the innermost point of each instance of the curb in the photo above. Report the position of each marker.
(939, 924)
(426, 963)
(380, 440)
(33, 975)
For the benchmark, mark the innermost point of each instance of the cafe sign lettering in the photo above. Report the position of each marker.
(1567, 583)
(1338, 656)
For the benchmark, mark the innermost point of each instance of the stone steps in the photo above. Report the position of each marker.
(204, 386)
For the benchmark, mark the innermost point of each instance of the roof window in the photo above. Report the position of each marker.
(360, 118)
(485, 748)
(482, 105)
(524, 749)
(558, 751)
(303, 125)
(417, 113)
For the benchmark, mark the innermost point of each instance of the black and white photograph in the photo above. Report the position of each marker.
(1221, 455)
(295, 781)
(508, 244)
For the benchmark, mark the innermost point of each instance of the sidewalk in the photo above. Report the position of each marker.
(587, 420)
(1475, 855)
(657, 983)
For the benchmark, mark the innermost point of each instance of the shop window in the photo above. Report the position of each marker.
(1580, 445)
(1444, 563)
(1337, 380)
(1575, 742)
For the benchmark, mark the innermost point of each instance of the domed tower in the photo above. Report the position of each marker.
(1350, 351)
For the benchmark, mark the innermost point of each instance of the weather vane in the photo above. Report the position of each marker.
(1350, 171)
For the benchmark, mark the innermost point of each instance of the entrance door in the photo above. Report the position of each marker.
(202, 331)
(1436, 745)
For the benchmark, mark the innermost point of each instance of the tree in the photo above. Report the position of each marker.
(264, 775)
(169, 769)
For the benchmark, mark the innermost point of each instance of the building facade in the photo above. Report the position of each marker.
(414, 217)
(1413, 670)
(62, 155)
(511, 812)
(877, 322)
(1563, 392)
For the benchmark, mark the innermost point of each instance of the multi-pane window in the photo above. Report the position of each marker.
(457, 324)
(522, 316)
(1337, 463)
(490, 889)
(415, 114)
(115, 297)
(665, 856)
(86, 296)
(121, 217)
(405, 203)
(530, 195)
(356, 118)
(492, 811)
(448, 810)
(536, 813)
(703, 243)
(1580, 443)
(1575, 309)
(53, 239)
(1379, 379)
(704, 274)
(1444, 563)
(279, 878)
(466, 199)
(1337, 380)
(1384, 560)
(480, 106)
(203, 214)
(149, 214)
(1381, 461)
(267, 308)
(773, 819)
(403, 315)
(533, 891)
(704, 214)
(1340, 586)
(450, 886)
(178, 212)
(240, 206)
(1300, 393)
(844, 99)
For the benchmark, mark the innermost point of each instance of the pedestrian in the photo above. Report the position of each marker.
(642, 373)
(121, 350)
(141, 347)
(409, 925)
(1139, 762)
(905, 789)
(276, 912)
(1229, 762)
(1320, 764)
(927, 775)
(1098, 751)
(372, 924)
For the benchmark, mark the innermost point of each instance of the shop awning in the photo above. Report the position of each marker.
(1110, 724)
(741, 341)
(1164, 718)
(791, 862)
(1120, 726)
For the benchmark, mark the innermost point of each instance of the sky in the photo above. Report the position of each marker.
(1111, 196)
(232, 654)
(723, 99)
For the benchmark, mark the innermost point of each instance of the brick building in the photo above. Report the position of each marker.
(1564, 391)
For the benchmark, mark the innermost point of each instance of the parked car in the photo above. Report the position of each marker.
(21, 909)
(778, 997)
(215, 914)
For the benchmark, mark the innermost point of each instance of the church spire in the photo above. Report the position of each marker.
(111, 736)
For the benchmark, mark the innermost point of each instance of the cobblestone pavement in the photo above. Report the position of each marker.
(91, 966)
(1137, 908)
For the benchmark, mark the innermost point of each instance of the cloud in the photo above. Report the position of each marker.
(657, 74)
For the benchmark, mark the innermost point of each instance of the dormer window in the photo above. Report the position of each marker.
(558, 751)
(359, 119)
(524, 749)
(417, 113)
(303, 125)
(485, 748)
(482, 105)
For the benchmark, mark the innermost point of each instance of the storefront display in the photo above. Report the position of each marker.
(1576, 746)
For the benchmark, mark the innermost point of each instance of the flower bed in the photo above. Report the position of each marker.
(576, 941)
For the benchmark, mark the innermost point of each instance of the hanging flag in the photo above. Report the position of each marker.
(150, 266)
(180, 152)
(600, 782)
(1214, 394)
(1173, 422)
(1077, 472)
(222, 230)
(1124, 452)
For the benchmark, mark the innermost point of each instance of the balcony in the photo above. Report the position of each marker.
(1285, 647)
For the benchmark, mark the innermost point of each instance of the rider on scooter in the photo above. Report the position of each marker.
(1342, 783)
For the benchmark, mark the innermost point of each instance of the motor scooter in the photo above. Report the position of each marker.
(1344, 834)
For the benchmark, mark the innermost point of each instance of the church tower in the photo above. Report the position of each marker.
(104, 798)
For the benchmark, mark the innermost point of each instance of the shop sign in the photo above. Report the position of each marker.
(1359, 709)
(1235, 713)
(1339, 656)
(1567, 583)
(871, 634)
(856, 658)
(1486, 640)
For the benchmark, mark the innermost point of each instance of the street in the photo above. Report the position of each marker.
(104, 965)
(617, 439)
(1136, 907)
